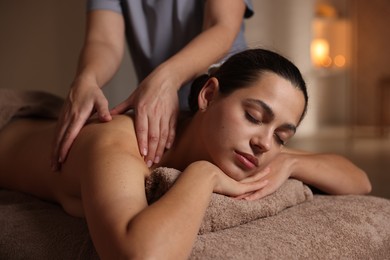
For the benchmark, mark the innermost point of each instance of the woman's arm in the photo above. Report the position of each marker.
(167, 229)
(330, 173)
(121, 223)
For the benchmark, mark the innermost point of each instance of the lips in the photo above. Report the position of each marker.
(249, 161)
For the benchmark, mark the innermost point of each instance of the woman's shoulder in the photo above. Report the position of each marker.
(120, 130)
(117, 122)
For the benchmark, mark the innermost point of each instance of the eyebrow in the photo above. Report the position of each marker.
(270, 113)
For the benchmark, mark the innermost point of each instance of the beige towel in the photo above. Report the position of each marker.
(328, 227)
(224, 212)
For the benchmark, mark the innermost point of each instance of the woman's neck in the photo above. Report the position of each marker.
(187, 147)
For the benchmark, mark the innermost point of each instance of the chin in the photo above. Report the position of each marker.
(234, 172)
(230, 168)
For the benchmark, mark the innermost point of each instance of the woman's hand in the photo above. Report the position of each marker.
(227, 186)
(279, 171)
(156, 105)
(83, 100)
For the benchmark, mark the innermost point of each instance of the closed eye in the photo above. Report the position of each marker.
(279, 140)
(252, 119)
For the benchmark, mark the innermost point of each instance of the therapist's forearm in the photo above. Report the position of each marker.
(204, 50)
(221, 25)
(98, 62)
(103, 48)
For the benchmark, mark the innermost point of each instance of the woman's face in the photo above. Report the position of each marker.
(244, 131)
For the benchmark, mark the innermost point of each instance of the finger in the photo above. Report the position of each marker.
(250, 188)
(153, 139)
(55, 165)
(121, 108)
(141, 129)
(70, 135)
(239, 197)
(172, 132)
(257, 176)
(258, 194)
(162, 140)
(62, 125)
(102, 110)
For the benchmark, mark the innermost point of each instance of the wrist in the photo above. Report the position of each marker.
(206, 171)
(176, 75)
(85, 79)
(292, 161)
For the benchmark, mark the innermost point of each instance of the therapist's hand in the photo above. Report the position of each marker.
(83, 100)
(156, 106)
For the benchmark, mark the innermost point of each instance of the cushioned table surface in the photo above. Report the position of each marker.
(327, 227)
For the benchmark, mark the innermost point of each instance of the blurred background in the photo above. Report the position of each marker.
(341, 47)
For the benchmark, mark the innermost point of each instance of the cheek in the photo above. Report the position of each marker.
(268, 157)
(222, 127)
(222, 134)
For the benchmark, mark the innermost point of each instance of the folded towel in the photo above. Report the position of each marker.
(225, 212)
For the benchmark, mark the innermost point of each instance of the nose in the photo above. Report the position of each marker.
(261, 143)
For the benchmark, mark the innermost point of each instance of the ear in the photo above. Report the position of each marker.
(208, 93)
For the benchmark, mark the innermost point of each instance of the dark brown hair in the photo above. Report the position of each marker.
(243, 69)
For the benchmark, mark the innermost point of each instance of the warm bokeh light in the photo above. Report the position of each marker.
(327, 62)
(320, 52)
(339, 61)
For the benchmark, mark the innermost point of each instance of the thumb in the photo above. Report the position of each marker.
(122, 107)
(103, 112)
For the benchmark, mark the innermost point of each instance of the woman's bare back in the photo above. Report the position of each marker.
(25, 162)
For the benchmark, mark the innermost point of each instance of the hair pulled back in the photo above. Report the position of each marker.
(243, 69)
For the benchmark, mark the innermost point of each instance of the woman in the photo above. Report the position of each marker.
(233, 144)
